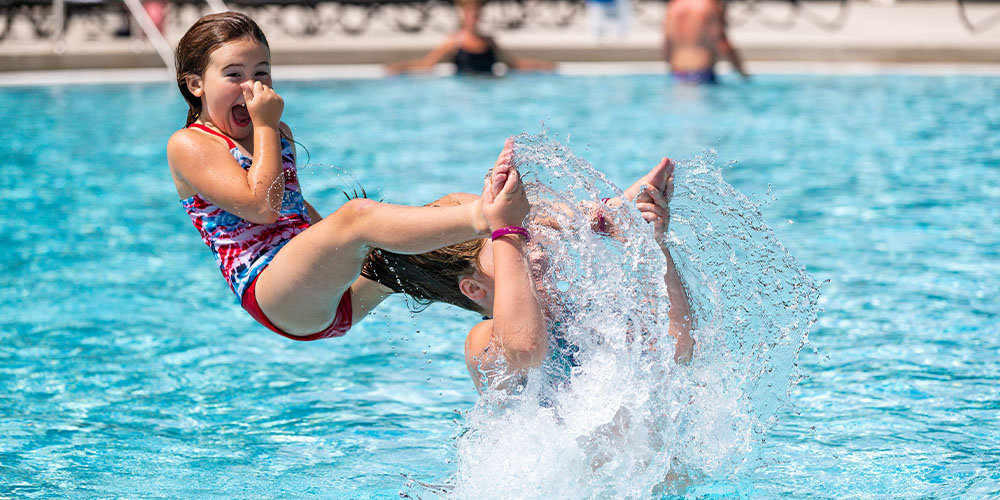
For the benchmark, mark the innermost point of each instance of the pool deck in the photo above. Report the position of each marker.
(911, 33)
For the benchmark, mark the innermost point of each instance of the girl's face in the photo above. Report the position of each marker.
(222, 101)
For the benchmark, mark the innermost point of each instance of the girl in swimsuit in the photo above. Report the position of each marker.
(494, 277)
(233, 165)
(470, 51)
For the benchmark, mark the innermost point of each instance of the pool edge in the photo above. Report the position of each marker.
(369, 71)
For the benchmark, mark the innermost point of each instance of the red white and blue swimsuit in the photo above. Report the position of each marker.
(243, 248)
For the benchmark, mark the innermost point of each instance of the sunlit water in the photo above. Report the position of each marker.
(127, 369)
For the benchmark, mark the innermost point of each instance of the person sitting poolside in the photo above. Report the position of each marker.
(694, 39)
(471, 51)
(498, 279)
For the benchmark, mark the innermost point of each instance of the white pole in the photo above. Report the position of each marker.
(152, 33)
(59, 22)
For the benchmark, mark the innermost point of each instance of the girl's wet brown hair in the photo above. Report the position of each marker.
(428, 277)
(196, 46)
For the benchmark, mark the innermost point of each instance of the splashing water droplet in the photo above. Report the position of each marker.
(610, 414)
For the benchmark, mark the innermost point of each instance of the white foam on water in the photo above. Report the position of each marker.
(622, 420)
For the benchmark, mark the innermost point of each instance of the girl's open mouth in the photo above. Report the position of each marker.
(240, 115)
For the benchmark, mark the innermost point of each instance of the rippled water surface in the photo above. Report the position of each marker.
(128, 371)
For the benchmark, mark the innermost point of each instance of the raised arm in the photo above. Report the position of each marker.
(517, 330)
(653, 203)
(680, 310)
(518, 322)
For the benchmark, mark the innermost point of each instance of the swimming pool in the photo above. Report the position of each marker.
(127, 370)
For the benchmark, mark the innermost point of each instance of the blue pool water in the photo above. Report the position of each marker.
(128, 371)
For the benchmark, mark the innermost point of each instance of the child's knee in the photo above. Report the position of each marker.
(358, 208)
(354, 215)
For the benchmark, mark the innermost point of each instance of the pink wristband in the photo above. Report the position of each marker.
(503, 231)
(602, 223)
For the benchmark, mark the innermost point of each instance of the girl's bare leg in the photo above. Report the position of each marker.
(300, 289)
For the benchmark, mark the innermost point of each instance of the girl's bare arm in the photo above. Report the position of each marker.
(654, 207)
(210, 170)
(517, 330)
(436, 55)
(518, 322)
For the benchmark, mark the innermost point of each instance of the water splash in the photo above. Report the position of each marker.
(610, 415)
(332, 184)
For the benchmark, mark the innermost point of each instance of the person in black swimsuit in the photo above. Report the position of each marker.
(475, 62)
(470, 51)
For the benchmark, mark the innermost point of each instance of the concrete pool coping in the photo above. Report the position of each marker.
(878, 33)
(368, 71)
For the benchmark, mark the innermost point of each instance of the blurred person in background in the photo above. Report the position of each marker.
(471, 51)
(694, 39)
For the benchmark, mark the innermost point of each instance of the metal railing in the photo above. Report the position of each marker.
(49, 19)
(985, 24)
(743, 11)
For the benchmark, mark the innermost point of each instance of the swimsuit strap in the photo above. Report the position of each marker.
(213, 132)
